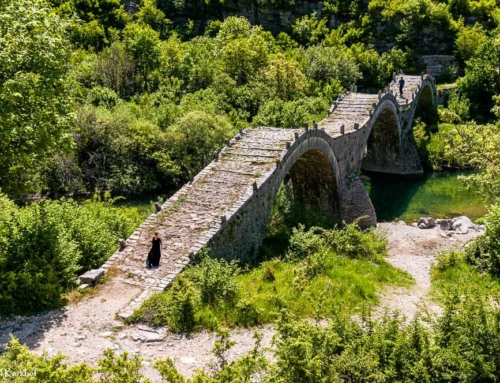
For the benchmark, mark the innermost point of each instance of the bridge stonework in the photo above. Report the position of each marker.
(227, 205)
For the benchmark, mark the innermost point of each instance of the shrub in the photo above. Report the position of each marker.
(248, 314)
(216, 279)
(313, 265)
(448, 260)
(40, 260)
(462, 345)
(288, 114)
(485, 250)
(45, 245)
(111, 368)
(354, 243)
(304, 243)
(182, 305)
(269, 271)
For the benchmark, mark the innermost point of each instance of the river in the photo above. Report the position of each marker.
(436, 194)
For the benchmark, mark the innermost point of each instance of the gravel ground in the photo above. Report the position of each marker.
(414, 250)
(84, 330)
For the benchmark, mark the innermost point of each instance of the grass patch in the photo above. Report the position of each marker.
(323, 270)
(344, 282)
(453, 276)
(447, 85)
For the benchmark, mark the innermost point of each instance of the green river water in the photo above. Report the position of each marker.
(438, 195)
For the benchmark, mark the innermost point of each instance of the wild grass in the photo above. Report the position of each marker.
(453, 276)
(136, 209)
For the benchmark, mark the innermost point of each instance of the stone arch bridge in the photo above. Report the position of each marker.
(227, 205)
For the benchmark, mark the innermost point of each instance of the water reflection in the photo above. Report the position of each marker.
(438, 194)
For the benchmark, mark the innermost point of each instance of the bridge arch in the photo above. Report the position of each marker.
(311, 164)
(423, 105)
(424, 97)
(312, 167)
(383, 143)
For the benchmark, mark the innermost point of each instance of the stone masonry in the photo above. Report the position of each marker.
(226, 206)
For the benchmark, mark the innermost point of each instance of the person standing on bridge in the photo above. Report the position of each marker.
(401, 86)
(154, 255)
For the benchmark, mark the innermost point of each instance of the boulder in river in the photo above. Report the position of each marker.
(426, 223)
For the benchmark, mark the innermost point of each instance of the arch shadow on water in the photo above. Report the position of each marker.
(436, 194)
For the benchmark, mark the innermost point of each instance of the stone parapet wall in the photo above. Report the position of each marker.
(439, 65)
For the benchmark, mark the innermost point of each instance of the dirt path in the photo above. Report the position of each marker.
(414, 250)
(84, 330)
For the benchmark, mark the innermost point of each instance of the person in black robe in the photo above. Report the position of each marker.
(154, 255)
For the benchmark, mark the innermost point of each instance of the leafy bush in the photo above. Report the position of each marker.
(45, 245)
(269, 270)
(248, 313)
(484, 252)
(448, 260)
(111, 368)
(462, 345)
(289, 114)
(175, 309)
(215, 279)
(182, 306)
(304, 243)
(354, 243)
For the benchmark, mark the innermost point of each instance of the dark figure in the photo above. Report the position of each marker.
(401, 86)
(154, 255)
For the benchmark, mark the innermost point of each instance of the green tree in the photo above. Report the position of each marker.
(121, 152)
(97, 22)
(35, 109)
(150, 15)
(310, 30)
(244, 57)
(482, 79)
(115, 69)
(195, 137)
(325, 63)
(143, 43)
(476, 146)
(469, 39)
(285, 78)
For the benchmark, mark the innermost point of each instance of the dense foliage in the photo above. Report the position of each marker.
(95, 95)
(463, 345)
(34, 103)
(46, 245)
(141, 96)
